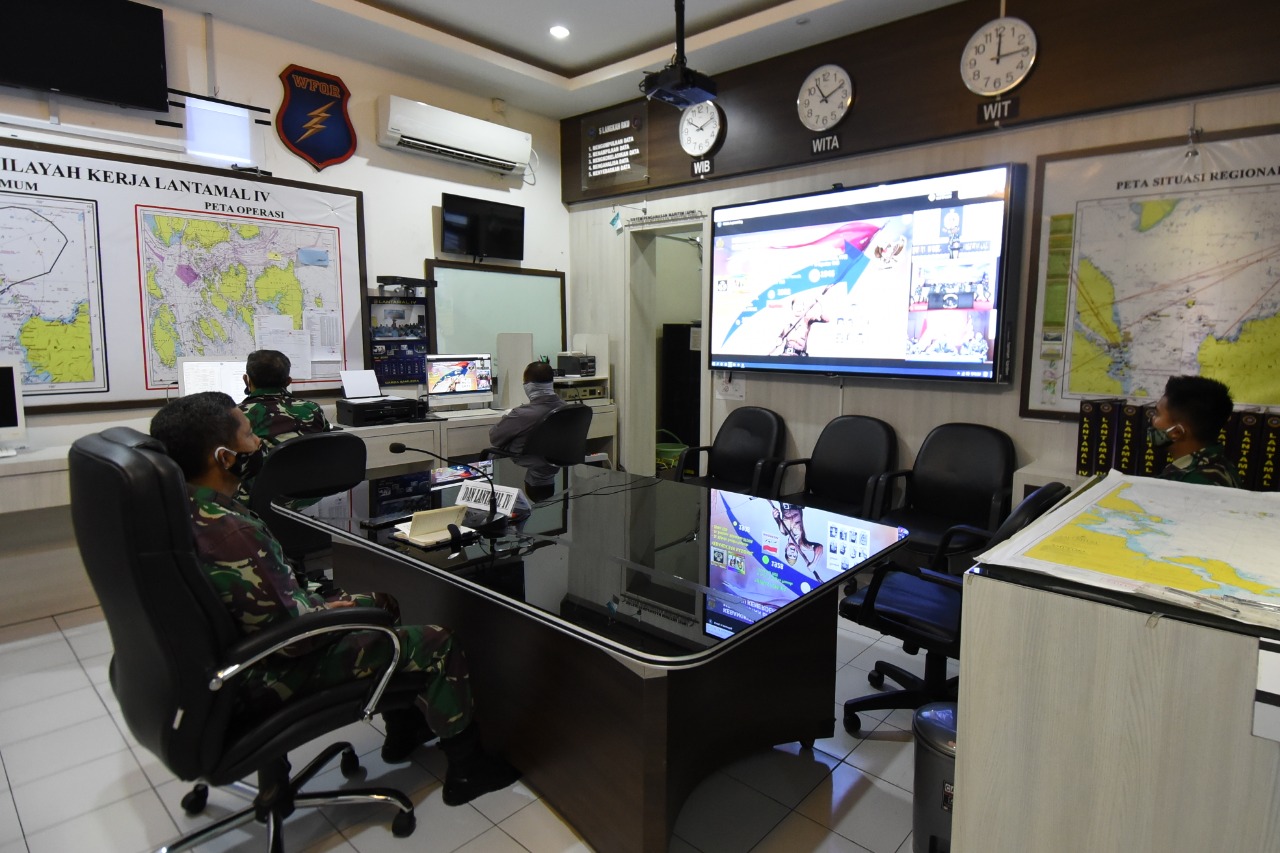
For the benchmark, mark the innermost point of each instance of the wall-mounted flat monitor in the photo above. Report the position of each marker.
(912, 279)
(207, 374)
(480, 228)
(13, 424)
(459, 380)
(102, 50)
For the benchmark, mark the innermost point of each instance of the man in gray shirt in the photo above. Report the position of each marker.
(511, 433)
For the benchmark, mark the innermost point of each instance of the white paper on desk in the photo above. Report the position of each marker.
(359, 383)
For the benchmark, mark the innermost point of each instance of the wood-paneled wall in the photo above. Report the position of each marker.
(1094, 56)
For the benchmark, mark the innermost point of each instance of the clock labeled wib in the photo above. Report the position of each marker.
(999, 56)
(701, 128)
(825, 97)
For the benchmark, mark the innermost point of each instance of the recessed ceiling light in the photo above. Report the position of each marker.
(559, 32)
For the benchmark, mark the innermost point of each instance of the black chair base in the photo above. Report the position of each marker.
(915, 692)
(278, 795)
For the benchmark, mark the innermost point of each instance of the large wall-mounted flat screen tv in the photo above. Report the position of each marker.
(102, 50)
(481, 229)
(911, 279)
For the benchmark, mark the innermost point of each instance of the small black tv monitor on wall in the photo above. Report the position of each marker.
(481, 229)
(910, 279)
(102, 50)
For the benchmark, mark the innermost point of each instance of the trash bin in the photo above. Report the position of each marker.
(668, 453)
(934, 727)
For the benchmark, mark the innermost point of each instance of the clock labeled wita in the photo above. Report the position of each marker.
(701, 128)
(825, 98)
(999, 56)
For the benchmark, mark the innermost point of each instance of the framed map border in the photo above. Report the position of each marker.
(1039, 261)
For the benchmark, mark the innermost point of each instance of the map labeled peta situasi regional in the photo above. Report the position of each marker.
(206, 279)
(1204, 547)
(1153, 263)
(51, 292)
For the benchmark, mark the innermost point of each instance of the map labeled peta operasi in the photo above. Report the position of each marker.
(206, 279)
(51, 292)
(1183, 283)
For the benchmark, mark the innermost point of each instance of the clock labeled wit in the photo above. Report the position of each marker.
(701, 128)
(825, 98)
(999, 56)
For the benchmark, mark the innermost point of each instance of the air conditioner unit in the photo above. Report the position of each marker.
(419, 128)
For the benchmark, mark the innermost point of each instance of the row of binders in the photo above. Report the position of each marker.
(1113, 434)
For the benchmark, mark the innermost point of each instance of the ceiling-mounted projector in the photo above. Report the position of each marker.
(678, 84)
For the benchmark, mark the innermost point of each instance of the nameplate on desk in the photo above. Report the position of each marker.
(476, 495)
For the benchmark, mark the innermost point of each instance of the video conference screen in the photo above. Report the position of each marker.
(459, 374)
(906, 280)
(764, 554)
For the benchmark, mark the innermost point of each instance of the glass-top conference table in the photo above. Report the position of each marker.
(626, 635)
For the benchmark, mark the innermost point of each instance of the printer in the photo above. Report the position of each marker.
(372, 411)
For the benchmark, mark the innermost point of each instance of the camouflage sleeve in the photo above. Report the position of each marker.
(313, 420)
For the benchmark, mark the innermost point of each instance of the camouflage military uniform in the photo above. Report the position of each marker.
(1207, 466)
(248, 570)
(277, 416)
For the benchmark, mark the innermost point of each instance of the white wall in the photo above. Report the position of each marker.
(604, 270)
(400, 190)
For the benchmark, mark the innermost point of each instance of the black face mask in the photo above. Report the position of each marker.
(248, 464)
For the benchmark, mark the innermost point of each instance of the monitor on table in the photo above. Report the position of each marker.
(458, 380)
(210, 374)
(13, 425)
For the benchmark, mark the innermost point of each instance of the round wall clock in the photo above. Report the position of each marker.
(701, 128)
(825, 98)
(999, 56)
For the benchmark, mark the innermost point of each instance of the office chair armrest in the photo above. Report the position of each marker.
(702, 448)
(999, 507)
(781, 473)
(262, 644)
(495, 452)
(884, 489)
(944, 544)
(762, 475)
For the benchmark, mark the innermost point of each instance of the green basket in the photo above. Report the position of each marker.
(668, 453)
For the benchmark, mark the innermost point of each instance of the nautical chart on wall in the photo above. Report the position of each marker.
(1155, 260)
(113, 268)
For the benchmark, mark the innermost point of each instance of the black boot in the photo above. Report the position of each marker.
(472, 771)
(407, 730)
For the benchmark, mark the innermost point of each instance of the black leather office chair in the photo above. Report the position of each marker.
(844, 469)
(744, 455)
(922, 608)
(177, 651)
(560, 438)
(963, 475)
(306, 468)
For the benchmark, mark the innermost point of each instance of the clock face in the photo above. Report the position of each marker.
(999, 56)
(701, 128)
(825, 98)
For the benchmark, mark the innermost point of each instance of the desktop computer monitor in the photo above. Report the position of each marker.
(13, 425)
(209, 374)
(456, 380)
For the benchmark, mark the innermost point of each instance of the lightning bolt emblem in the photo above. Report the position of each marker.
(316, 124)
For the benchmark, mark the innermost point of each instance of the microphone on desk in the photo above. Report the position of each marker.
(397, 447)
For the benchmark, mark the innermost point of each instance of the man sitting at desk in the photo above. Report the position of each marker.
(274, 414)
(1188, 418)
(212, 442)
(511, 433)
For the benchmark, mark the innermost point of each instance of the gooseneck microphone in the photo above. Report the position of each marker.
(397, 447)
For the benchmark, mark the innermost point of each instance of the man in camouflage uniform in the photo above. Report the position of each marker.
(213, 443)
(1188, 420)
(274, 414)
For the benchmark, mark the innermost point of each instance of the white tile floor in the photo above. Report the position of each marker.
(76, 780)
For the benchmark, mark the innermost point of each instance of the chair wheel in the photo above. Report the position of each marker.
(403, 824)
(196, 799)
(875, 678)
(350, 764)
(852, 724)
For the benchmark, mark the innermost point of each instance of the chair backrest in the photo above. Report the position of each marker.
(561, 436)
(747, 435)
(1029, 509)
(308, 466)
(851, 452)
(959, 468)
(129, 509)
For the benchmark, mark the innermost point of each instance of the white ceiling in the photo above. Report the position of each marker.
(502, 48)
